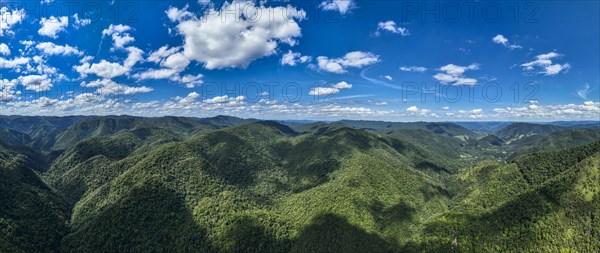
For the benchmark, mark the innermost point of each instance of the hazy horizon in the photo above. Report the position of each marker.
(300, 119)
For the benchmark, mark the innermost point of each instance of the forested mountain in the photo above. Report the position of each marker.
(543, 202)
(441, 128)
(225, 184)
(483, 127)
(33, 218)
(518, 132)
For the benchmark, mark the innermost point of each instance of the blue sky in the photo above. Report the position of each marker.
(322, 60)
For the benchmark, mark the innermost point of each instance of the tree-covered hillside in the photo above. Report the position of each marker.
(224, 184)
(543, 202)
(33, 218)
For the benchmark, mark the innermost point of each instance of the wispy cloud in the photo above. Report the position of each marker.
(413, 69)
(363, 74)
(500, 39)
(390, 26)
(584, 92)
(543, 65)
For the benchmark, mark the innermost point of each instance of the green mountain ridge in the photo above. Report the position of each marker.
(225, 184)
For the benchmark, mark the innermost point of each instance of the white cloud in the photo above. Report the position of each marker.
(343, 6)
(413, 69)
(204, 2)
(103, 69)
(323, 91)
(584, 92)
(390, 26)
(162, 53)
(177, 15)
(172, 61)
(106, 87)
(327, 91)
(8, 18)
(415, 111)
(50, 48)
(500, 39)
(52, 26)
(412, 109)
(120, 35)
(134, 56)
(355, 59)
(86, 58)
(543, 65)
(191, 81)
(177, 62)
(472, 114)
(110, 70)
(156, 74)
(147, 105)
(236, 35)
(292, 59)
(7, 90)
(330, 66)
(4, 50)
(388, 77)
(85, 103)
(13, 63)
(225, 99)
(89, 103)
(342, 85)
(36, 82)
(42, 68)
(77, 23)
(189, 98)
(27, 43)
(454, 74)
(587, 110)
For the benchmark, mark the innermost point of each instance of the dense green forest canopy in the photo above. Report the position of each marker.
(225, 184)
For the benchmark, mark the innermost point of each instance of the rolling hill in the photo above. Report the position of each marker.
(441, 128)
(521, 132)
(224, 184)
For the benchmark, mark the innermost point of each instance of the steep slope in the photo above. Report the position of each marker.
(14, 138)
(12, 150)
(132, 184)
(546, 202)
(25, 123)
(440, 128)
(32, 217)
(522, 132)
(490, 140)
(41, 130)
(43, 136)
(557, 140)
(97, 160)
(262, 187)
(447, 147)
(108, 125)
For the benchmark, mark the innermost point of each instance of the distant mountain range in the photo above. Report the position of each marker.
(226, 184)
